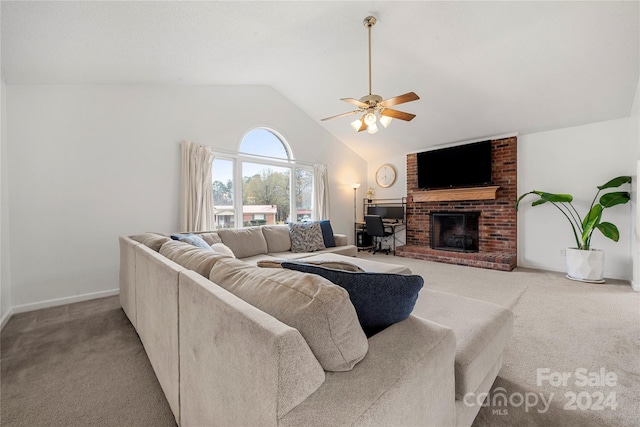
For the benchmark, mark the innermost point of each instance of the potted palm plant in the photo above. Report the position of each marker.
(583, 262)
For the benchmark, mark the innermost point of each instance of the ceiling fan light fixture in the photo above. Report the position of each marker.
(370, 119)
(373, 107)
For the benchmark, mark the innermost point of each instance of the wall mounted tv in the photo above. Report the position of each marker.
(466, 165)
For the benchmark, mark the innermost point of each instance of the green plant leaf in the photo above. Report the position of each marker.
(590, 221)
(555, 198)
(615, 182)
(609, 230)
(538, 202)
(615, 198)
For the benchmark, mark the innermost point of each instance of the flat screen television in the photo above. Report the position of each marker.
(466, 165)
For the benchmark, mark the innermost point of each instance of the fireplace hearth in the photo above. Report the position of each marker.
(455, 231)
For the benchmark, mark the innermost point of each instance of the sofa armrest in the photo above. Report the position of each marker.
(407, 378)
(341, 239)
(128, 277)
(238, 365)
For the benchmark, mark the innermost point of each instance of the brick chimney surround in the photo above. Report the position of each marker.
(497, 222)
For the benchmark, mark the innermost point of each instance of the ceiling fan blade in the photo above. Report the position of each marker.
(363, 125)
(355, 102)
(397, 114)
(341, 115)
(407, 97)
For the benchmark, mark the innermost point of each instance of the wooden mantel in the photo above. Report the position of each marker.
(456, 194)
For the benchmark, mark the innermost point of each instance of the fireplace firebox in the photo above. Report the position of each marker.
(455, 231)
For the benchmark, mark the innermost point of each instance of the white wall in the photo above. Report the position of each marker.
(634, 157)
(572, 160)
(5, 277)
(91, 163)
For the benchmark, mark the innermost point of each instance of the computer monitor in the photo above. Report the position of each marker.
(387, 212)
(395, 212)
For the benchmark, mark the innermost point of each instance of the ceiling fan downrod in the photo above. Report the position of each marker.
(369, 22)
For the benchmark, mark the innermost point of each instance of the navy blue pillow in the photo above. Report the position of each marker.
(327, 233)
(380, 299)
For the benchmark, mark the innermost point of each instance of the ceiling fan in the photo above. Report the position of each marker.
(372, 106)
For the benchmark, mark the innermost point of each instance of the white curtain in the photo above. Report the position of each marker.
(320, 192)
(196, 188)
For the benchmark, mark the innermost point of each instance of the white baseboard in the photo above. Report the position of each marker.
(62, 301)
(635, 286)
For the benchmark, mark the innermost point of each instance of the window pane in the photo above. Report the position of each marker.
(304, 188)
(261, 142)
(265, 194)
(222, 175)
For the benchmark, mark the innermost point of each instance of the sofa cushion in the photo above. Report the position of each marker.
(327, 233)
(244, 242)
(380, 299)
(481, 334)
(336, 265)
(321, 311)
(277, 237)
(210, 237)
(192, 239)
(306, 237)
(192, 257)
(151, 240)
(223, 249)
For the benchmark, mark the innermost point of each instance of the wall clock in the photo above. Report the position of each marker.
(386, 175)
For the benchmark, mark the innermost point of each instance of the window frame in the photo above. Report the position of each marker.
(239, 157)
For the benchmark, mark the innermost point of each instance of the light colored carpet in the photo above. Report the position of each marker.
(83, 364)
(562, 326)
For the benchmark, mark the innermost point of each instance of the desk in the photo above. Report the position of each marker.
(365, 244)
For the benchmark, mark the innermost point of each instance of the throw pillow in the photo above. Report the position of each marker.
(327, 233)
(306, 237)
(192, 239)
(336, 265)
(223, 249)
(321, 311)
(380, 299)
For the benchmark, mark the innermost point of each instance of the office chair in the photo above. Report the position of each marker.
(375, 229)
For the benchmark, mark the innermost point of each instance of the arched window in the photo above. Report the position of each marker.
(265, 143)
(261, 184)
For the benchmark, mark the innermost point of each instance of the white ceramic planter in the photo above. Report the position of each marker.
(586, 266)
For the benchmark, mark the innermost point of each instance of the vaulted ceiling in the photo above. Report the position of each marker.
(480, 68)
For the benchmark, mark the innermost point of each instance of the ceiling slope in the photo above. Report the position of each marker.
(480, 68)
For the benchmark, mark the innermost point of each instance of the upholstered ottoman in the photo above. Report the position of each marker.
(366, 265)
(482, 330)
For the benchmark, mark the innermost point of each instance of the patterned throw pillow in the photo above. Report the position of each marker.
(306, 237)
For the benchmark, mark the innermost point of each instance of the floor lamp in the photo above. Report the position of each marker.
(355, 210)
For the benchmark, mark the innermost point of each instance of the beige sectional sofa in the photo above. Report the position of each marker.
(223, 361)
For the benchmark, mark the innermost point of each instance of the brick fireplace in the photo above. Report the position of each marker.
(493, 208)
